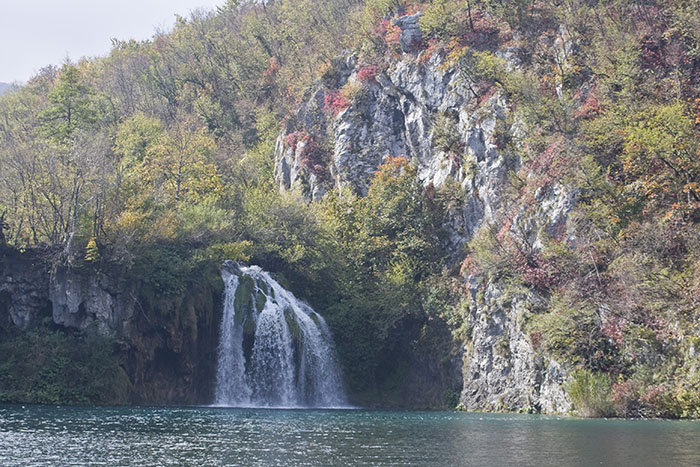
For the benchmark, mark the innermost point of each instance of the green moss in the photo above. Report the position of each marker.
(451, 398)
(52, 367)
(243, 303)
(480, 298)
(294, 329)
(260, 300)
(502, 347)
(315, 319)
(394, 386)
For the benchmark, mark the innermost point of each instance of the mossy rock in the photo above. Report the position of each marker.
(262, 286)
(260, 300)
(502, 348)
(243, 301)
(249, 326)
(294, 329)
(316, 320)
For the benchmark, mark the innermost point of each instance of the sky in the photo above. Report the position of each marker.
(36, 33)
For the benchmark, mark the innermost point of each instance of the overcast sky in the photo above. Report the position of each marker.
(36, 33)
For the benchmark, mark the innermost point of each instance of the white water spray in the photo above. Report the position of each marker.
(275, 350)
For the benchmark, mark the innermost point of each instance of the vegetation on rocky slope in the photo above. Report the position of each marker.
(156, 162)
(47, 366)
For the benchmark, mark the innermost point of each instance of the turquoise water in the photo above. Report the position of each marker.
(47, 435)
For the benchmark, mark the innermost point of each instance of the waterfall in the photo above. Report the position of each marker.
(275, 350)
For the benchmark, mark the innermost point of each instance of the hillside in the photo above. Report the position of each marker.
(4, 87)
(494, 206)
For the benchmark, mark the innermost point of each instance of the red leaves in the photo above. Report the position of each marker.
(273, 66)
(541, 272)
(614, 330)
(292, 139)
(335, 102)
(310, 154)
(391, 169)
(367, 74)
(536, 339)
(590, 107)
(625, 396)
(469, 266)
(390, 33)
(651, 54)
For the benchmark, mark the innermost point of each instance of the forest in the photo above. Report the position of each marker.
(156, 163)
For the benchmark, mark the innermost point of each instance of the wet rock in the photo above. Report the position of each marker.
(24, 300)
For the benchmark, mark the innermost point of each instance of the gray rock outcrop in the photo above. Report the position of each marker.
(411, 35)
(166, 345)
(24, 300)
(433, 115)
(91, 303)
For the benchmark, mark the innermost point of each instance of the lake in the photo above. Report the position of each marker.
(49, 435)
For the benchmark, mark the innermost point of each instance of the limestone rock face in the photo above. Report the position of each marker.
(502, 370)
(166, 345)
(411, 35)
(91, 303)
(24, 300)
(404, 111)
(432, 114)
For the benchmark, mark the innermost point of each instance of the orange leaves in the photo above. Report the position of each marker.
(392, 169)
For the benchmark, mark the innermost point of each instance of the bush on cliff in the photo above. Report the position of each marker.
(56, 367)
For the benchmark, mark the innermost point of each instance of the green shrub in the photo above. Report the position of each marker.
(443, 19)
(162, 270)
(53, 367)
(591, 393)
(446, 136)
(572, 333)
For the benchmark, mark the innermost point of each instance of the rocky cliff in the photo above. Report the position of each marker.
(166, 345)
(426, 108)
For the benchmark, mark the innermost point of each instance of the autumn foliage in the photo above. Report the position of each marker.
(335, 102)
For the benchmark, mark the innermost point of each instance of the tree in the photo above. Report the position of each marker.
(72, 107)
(662, 154)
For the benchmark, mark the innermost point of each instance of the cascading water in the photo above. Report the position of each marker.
(275, 350)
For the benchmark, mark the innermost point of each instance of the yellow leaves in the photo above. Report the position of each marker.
(165, 226)
(92, 252)
(171, 165)
(141, 224)
(456, 53)
(352, 91)
(130, 221)
(236, 251)
(393, 169)
(400, 272)
(660, 156)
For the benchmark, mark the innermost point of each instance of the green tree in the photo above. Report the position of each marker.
(72, 106)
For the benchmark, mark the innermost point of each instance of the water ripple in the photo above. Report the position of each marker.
(45, 435)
